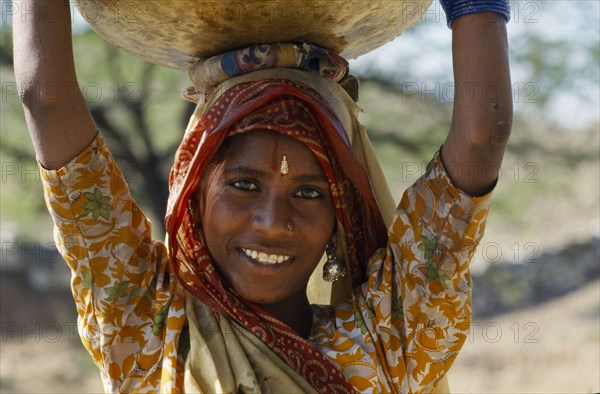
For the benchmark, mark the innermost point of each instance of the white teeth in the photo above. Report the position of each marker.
(265, 258)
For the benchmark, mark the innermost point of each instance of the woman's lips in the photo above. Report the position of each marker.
(266, 258)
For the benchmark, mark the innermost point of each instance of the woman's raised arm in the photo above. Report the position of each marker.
(59, 122)
(482, 116)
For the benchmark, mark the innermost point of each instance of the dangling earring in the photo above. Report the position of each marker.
(333, 269)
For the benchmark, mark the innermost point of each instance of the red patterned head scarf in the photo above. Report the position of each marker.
(292, 109)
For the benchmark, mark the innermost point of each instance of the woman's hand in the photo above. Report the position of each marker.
(482, 115)
(59, 122)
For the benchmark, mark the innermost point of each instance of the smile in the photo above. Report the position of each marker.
(265, 258)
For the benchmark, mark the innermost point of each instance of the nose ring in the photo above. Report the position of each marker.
(290, 225)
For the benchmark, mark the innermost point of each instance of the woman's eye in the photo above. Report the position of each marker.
(245, 185)
(308, 193)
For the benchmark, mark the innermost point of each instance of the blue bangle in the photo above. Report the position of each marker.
(458, 8)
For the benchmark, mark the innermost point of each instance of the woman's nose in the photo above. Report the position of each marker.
(272, 215)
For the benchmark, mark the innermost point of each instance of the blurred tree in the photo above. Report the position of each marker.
(135, 106)
(551, 68)
(151, 154)
(143, 119)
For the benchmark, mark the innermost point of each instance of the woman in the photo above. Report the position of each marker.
(273, 172)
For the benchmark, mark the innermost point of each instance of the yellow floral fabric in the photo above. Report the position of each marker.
(400, 332)
(403, 328)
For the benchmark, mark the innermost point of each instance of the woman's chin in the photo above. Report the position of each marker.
(269, 293)
(262, 298)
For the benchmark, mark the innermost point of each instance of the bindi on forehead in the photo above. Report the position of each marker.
(276, 154)
(294, 174)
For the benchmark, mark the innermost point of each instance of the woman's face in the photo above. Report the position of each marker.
(266, 230)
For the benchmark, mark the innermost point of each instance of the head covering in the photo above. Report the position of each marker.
(301, 56)
(289, 108)
(245, 104)
(209, 72)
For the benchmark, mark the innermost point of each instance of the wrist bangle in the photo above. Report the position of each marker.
(457, 8)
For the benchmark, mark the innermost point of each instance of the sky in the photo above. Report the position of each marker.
(576, 105)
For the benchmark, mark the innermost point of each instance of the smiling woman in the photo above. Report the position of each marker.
(268, 187)
(245, 210)
(274, 172)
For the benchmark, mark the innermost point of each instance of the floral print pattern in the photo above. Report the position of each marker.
(403, 328)
(400, 331)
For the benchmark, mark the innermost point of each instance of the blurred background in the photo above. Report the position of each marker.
(536, 274)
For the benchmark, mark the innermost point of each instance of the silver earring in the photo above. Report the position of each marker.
(333, 269)
(290, 225)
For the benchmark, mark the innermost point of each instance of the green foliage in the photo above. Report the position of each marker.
(6, 56)
(21, 199)
(114, 78)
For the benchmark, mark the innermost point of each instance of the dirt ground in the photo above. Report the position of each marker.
(551, 348)
(40, 350)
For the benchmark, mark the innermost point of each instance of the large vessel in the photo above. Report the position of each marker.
(175, 33)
